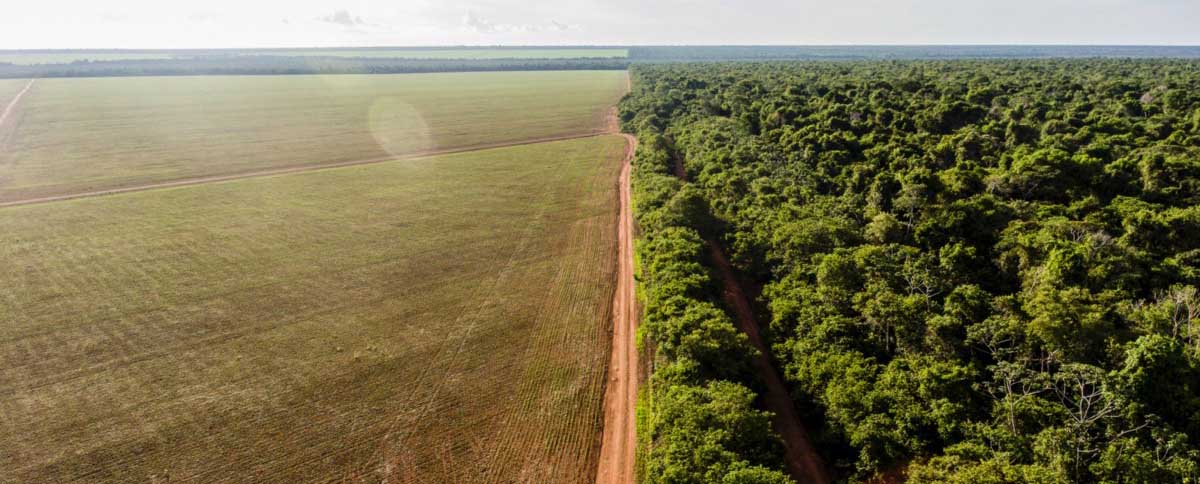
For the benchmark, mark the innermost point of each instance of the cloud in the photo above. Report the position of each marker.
(343, 18)
(478, 24)
(485, 26)
(202, 17)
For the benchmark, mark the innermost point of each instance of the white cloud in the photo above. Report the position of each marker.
(343, 18)
(478, 24)
(168, 24)
(482, 25)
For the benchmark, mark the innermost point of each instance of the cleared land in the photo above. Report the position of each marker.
(10, 88)
(81, 135)
(467, 53)
(31, 58)
(25, 59)
(432, 320)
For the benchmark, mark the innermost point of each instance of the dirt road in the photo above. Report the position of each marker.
(804, 465)
(13, 103)
(618, 443)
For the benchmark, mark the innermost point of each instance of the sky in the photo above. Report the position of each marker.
(63, 24)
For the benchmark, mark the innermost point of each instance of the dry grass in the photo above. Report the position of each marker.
(79, 135)
(432, 320)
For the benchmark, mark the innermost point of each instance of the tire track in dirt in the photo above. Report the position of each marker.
(8, 110)
(13, 103)
(618, 442)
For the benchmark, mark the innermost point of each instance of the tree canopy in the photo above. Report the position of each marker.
(976, 271)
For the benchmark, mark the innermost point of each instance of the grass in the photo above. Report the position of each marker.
(79, 135)
(441, 319)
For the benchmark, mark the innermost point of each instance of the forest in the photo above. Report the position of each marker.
(290, 65)
(972, 271)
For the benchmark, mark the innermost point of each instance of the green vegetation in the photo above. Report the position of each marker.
(440, 319)
(709, 53)
(91, 134)
(697, 422)
(34, 58)
(977, 271)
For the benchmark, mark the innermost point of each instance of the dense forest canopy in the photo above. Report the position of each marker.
(976, 271)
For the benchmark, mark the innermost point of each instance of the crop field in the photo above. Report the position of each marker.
(22, 58)
(32, 58)
(439, 319)
(79, 135)
(466, 53)
(8, 89)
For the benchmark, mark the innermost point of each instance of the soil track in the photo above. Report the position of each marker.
(803, 463)
(287, 169)
(618, 443)
(12, 105)
(801, 458)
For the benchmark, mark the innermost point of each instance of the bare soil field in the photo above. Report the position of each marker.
(433, 320)
(96, 134)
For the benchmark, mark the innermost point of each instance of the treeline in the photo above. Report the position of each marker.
(281, 65)
(709, 53)
(697, 420)
(977, 271)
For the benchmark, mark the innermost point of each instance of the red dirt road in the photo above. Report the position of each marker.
(803, 463)
(618, 442)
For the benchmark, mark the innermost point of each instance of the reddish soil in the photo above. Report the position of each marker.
(804, 465)
(618, 443)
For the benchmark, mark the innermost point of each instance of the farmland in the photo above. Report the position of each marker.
(65, 57)
(9, 88)
(78, 135)
(463, 53)
(32, 58)
(438, 319)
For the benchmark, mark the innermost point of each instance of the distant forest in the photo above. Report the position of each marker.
(283, 65)
(971, 271)
(311, 61)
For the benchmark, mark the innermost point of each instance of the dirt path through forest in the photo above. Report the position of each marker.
(802, 460)
(803, 463)
(618, 443)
